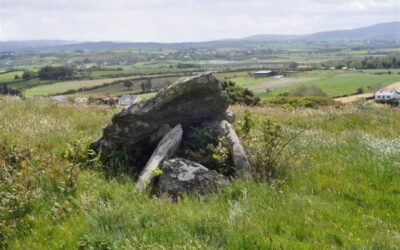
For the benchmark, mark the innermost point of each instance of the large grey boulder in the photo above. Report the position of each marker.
(182, 176)
(188, 102)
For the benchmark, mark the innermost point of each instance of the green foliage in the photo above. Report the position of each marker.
(187, 65)
(55, 72)
(359, 91)
(203, 146)
(308, 91)
(19, 177)
(239, 95)
(28, 75)
(300, 102)
(264, 143)
(245, 126)
(79, 153)
(5, 90)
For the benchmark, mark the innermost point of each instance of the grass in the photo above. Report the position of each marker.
(334, 83)
(9, 76)
(339, 187)
(339, 83)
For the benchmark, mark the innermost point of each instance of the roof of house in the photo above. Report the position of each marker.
(387, 92)
(262, 72)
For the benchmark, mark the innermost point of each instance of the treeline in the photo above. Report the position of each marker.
(370, 63)
(5, 90)
(55, 73)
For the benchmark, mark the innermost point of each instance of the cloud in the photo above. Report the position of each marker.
(183, 20)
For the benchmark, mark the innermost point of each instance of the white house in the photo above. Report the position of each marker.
(81, 100)
(128, 100)
(387, 95)
(264, 73)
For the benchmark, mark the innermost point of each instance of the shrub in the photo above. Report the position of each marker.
(359, 91)
(263, 143)
(202, 145)
(307, 91)
(28, 75)
(239, 95)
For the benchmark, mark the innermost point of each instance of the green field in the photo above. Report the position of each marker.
(9, 76)
(337, 187)
(120, 89)
(241, 78)
(342, 83)
(60, 87)
(334, 83)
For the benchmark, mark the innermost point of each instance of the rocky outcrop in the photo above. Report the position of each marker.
(182, 176)
(141, 135)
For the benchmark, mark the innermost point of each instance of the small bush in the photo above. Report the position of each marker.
(301, 102)
(264, 144)
(203, 146)
(307, 91)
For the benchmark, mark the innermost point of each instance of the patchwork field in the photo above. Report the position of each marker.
(344, 83)
(338, 186)
(333, 83)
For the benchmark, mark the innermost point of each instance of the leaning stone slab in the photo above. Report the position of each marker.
(240, 160)
(181, 176)
(165, 149)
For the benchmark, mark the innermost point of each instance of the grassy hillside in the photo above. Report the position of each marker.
(338, 187)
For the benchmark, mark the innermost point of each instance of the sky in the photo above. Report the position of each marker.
(184, 20)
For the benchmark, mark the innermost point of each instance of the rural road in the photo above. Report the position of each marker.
(354, 98)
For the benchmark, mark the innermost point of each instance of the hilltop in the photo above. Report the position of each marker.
(378, 32)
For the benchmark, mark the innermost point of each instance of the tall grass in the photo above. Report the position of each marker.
(339, 188)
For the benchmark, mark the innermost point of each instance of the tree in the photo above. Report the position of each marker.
(293, 65)
(16, 77)
(55, 73)
(28, 75)
(146, 86)
(128, 84)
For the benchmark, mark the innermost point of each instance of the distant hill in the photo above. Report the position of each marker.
(31, 44)
(378, 32)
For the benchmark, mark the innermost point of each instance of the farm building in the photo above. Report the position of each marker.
(81, 100)
(303, 67)
(128, 100)
(387, 95)
(264, 73)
